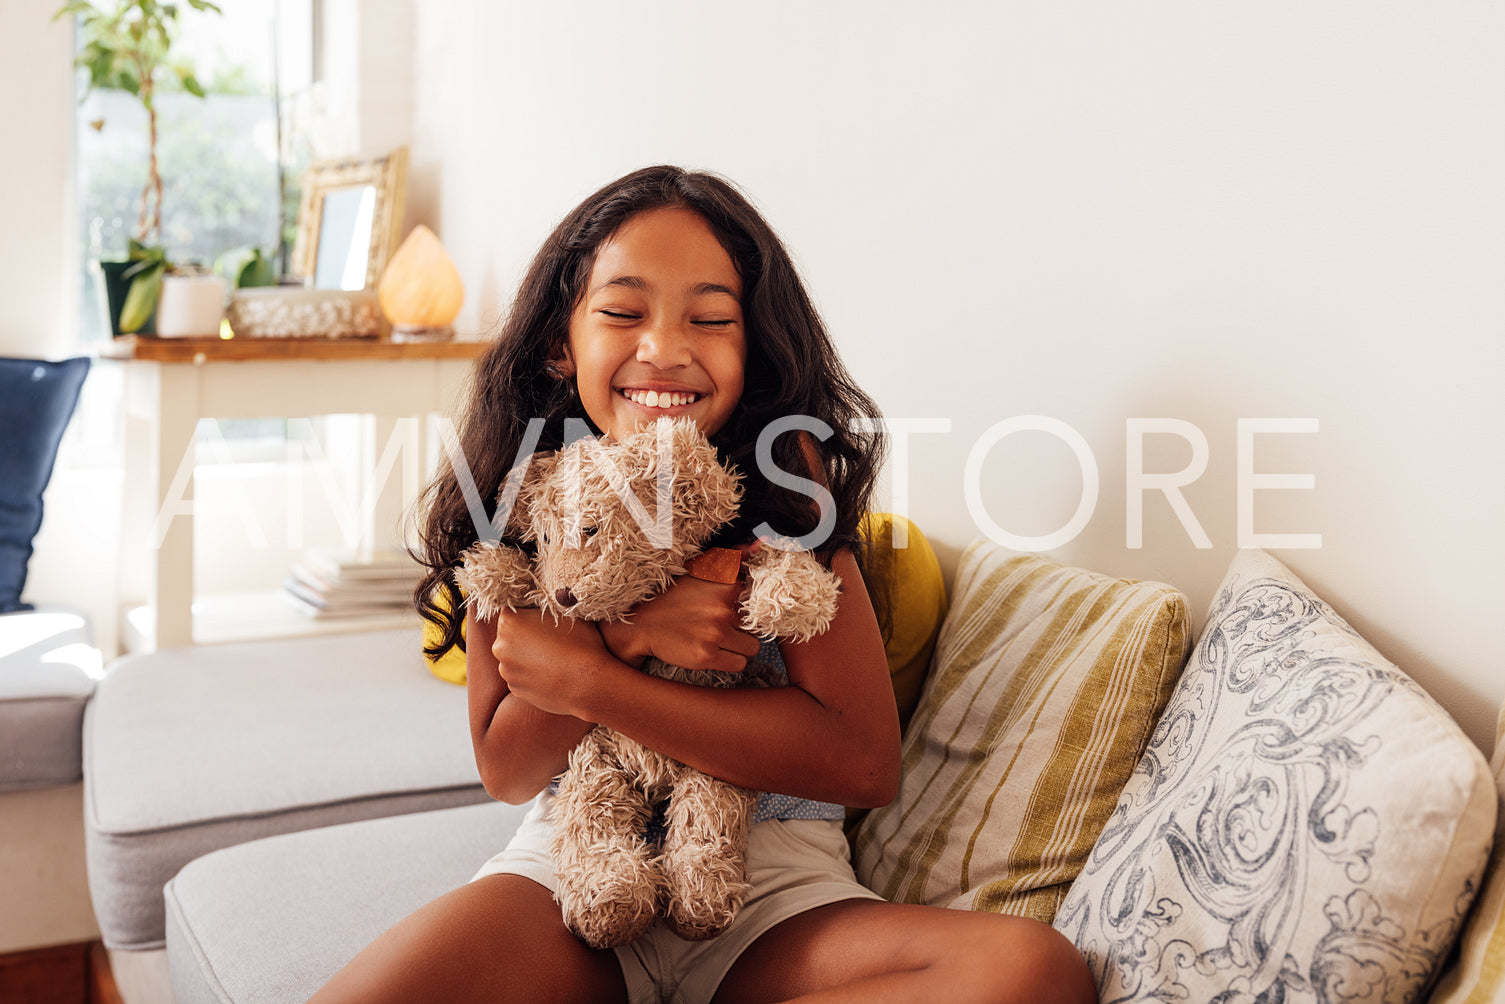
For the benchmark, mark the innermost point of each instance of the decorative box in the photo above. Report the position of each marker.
(280, 312)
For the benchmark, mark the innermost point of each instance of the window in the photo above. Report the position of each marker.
(230, 172)
(218, 156)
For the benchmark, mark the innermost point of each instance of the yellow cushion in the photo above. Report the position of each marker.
(451, 665)
(1047, 683)
(916, 593)
(1477, 975)
(913, 578)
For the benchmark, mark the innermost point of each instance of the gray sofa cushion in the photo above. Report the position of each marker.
(48, 666)
(190, 750)
(271, 921)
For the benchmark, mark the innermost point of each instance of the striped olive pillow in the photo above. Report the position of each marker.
(1046, 685)
(1478, 974)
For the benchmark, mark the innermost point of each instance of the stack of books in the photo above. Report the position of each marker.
(353, 584)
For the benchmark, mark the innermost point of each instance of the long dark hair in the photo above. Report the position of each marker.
(792, 369)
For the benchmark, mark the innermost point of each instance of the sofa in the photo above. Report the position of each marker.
(1268, 812)
(48, 662)
(48, 669)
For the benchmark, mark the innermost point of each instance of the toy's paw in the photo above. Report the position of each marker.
(604, 922)
(494, 577)
(610, 889)
(706, 887)
(704, 861)
(790, 594)
(608, 893)
(704, 920)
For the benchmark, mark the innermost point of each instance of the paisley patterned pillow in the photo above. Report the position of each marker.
(1305, 825)
(1479, 975)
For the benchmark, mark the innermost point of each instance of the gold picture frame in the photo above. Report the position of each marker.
(350, 214)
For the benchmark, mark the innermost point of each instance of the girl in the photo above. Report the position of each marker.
(666, 293)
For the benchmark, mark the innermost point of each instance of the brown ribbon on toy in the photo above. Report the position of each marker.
(716, 564)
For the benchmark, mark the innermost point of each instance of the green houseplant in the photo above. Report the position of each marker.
(128, 47)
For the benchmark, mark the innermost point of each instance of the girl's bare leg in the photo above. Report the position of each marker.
(870, 951)
(500, 938)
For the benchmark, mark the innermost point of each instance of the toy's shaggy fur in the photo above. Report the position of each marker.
(595, 562)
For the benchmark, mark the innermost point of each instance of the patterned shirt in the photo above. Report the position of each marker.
(770, 804)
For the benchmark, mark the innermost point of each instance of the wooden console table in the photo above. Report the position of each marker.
(171, 383)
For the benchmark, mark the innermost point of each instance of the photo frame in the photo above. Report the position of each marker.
(350, 220)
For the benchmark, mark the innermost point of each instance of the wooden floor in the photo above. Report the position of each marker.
(59, 974)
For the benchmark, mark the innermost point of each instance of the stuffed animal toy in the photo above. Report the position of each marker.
(596, 511)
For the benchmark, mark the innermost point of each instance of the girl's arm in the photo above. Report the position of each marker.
(519, 749)
(832, 734)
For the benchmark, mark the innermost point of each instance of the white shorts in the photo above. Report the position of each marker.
(793, 865)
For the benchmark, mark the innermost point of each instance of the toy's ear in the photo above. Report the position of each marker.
(706, 494)
(525, 484)
(494, 577)
(555, 490)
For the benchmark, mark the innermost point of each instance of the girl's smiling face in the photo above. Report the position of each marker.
(659, 331)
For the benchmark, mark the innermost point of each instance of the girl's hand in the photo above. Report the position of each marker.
(550, 667)
(832, 734)
(518, 747)
(693, 624)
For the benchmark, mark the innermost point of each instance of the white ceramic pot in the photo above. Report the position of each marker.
(191, 306)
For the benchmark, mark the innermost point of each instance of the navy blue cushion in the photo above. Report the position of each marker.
(36, 401)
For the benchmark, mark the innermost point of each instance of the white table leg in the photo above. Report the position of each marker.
(156, 541)
(393, 462)
(172, 592)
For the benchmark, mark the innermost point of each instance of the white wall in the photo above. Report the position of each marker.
(1089, 211)
(36, 195)
(364, 101)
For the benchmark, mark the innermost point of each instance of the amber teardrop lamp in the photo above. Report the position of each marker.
(420, 292)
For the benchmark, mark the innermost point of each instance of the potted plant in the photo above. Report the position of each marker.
(246, 267)
(128, 47)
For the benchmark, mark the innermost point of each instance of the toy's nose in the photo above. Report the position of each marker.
(564, 597)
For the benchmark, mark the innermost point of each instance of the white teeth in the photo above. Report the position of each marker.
(660, 399)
